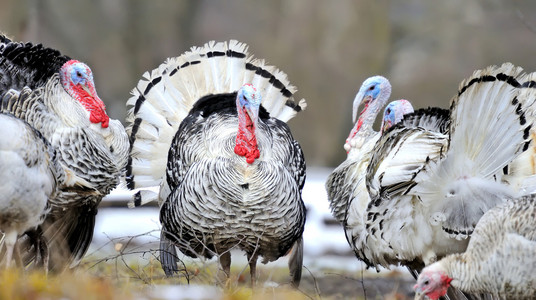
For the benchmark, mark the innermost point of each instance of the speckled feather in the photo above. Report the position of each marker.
(95, 156)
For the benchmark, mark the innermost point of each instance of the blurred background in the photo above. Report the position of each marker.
(426, 48)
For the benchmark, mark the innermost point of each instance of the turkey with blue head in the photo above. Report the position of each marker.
(346, 189)
(433, 175)
(56, 95)
(209, 128)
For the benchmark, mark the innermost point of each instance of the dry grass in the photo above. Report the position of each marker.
(127, 270)
(16, 284)
(132, 281)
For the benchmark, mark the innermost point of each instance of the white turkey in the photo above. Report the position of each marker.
(346, 187)
(429, 187)
(209, 128)
(500, 258)
(29, 175)
(346, 184)
(57, 96)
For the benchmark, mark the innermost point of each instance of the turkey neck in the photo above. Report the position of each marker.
(93, 104)
(363, 127)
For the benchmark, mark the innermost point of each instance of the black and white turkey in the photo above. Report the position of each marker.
(57, 96)
(429, 185)
(209, 128)
(30, 173)
(500, 258)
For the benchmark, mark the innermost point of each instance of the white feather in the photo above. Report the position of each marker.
(179, 83)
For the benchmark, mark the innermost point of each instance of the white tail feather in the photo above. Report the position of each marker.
(487, 131)
(485, 127)
(164, 96)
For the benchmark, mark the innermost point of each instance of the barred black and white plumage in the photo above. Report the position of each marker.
(56, 95)
(429, 187)
(230, 172)
(431, 118)
(30, 173)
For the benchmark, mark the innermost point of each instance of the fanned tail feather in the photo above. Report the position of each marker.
(489, 128)
(491, 99)
(164, 96)
(432, 118)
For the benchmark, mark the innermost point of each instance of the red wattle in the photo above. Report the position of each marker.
(442, 291)
(95, 106)
(357, 126)
(240, 150)
(247, 147)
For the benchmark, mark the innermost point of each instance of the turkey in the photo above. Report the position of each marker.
(209, 128)
(57, 96)
(428, 187)
(346, 185)
(26, 160)
(394, 112)
(500, 258)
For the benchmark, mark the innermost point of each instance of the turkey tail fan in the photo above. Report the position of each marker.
(492, 99)
(432, 118)
(491, 117)
(164, 96)
(521, 173)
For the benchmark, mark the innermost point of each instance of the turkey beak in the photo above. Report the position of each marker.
(253, 112)
(87, 90)
(359, 98)
(386, 125)
(91, 91)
